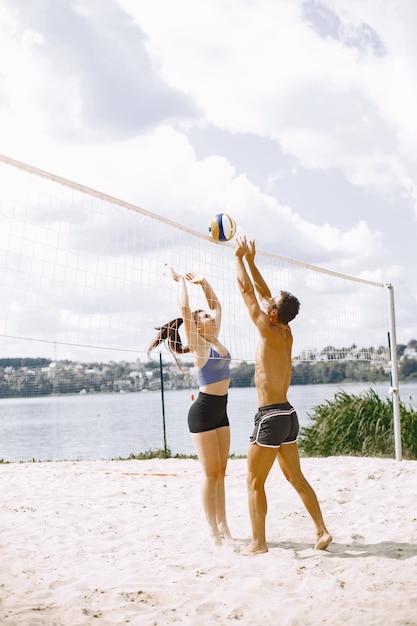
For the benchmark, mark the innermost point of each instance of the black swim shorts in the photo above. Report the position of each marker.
(275, 424)
(207, 413)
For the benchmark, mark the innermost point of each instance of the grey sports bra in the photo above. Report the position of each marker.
(216, 368)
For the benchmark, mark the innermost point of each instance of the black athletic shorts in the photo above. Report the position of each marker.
(207, 413)
(274, 425)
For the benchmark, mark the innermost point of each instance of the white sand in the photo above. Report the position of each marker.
(125, 542)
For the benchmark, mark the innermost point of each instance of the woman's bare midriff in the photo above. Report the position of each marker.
(216, 389)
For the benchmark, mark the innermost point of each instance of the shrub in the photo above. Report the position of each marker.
(358, 425)
(150, 454)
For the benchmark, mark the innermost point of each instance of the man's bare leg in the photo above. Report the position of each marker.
(260, 461)
(289, 461)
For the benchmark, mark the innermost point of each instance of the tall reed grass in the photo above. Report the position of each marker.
(358, 425)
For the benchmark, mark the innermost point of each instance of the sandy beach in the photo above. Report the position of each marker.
(125, 542)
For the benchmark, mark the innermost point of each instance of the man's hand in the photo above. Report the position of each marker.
(242, 248)
(250, 254)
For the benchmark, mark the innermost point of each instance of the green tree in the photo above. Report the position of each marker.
(407, 368)
(242, 375)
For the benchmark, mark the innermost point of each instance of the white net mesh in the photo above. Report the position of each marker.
(84, 278)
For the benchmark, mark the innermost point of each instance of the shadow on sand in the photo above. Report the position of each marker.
(386, 549)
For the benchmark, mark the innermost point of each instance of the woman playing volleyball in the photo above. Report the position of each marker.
(207, 417)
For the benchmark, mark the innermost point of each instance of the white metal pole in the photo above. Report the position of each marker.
(394, 377)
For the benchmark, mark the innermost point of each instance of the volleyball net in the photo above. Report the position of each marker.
(84, 277)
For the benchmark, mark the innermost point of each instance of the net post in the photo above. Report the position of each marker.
(394, 376)
(161, 375)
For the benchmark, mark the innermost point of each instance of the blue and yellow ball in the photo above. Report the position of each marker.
(222, 227)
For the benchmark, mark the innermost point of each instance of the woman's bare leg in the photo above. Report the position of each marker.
(223, 438)
(207, 448)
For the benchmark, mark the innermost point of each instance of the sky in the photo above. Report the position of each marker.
(296, 117)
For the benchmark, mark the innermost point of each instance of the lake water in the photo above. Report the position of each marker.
(93, 427)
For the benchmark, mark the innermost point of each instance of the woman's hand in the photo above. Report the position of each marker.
(175, 274)
(193, 278)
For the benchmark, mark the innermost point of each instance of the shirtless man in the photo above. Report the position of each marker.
(276, 422)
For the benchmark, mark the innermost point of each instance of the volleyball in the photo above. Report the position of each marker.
(222, 227)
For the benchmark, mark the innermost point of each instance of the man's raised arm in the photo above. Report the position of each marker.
(262, 289)
(244, 281)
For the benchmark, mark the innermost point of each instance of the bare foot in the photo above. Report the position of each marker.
(252, 549)
(215, 538)
(323, 541)
(225, 533)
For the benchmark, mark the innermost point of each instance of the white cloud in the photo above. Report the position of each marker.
(331, 104)
(278, 78)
